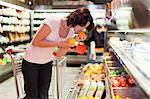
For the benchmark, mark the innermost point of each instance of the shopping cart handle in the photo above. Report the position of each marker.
(9, 51)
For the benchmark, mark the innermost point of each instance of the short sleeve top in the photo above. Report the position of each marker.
(42, 55)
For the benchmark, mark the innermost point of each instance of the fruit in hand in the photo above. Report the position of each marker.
(72, 42)
(81, 49)
(81, 36)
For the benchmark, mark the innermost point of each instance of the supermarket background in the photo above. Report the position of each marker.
(118, 69)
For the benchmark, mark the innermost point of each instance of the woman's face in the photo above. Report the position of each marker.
(79, 28)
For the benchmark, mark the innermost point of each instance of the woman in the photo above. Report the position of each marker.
(37, 63)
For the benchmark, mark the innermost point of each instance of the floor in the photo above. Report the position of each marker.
(67, 75)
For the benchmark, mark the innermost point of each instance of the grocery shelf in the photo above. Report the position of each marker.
(132, 66)
(15, 43)
(144, 30)
(14, 16)
(15, 24)
(6, 70)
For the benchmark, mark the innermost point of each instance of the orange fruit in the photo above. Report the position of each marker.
(81, 35)
(72, 41)
(99, 50)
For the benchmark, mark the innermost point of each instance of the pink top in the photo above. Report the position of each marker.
(42, 55)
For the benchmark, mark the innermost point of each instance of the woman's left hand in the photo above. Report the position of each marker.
(62, 51)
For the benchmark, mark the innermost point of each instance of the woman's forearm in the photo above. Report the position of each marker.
(45, 43)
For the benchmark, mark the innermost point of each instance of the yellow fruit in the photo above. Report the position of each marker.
(90, 97)
(117, 97)
(72, 41)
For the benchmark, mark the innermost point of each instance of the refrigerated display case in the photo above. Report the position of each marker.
(127, 48)
(132, 53)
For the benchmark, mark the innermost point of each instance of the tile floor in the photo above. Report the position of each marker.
(68, 75)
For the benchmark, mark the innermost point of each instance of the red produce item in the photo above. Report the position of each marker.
(115, 83)
(131, 81)
(81, 49)
(123, 82)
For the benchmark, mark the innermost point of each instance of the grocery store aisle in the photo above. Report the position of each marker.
(8, 91)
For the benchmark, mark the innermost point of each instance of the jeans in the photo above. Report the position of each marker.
(37, 78)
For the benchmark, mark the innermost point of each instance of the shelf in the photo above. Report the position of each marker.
(5, 70)
(15, 24)
(39, 18)
(132, 66)
(14, 16)
(15, 43)
(146, 30)
(37, 25)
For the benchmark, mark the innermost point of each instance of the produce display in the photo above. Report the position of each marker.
(91, 90)
(118, 72)
(6, 59)
(121, 84)
(122, 81)
(94, 72)
(15, 25)
(91, 86)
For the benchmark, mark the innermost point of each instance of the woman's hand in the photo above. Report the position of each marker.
(64, 44)
(62, 51)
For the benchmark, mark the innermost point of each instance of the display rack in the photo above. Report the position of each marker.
(122, 47)
(40, 15)
(15, 29)
(15, 25)
(132, 66)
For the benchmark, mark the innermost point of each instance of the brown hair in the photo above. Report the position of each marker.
(80, 17)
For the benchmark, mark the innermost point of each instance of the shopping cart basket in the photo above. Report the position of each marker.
(18, 76)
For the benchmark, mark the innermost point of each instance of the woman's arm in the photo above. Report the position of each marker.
(40, 41)
(62, 51)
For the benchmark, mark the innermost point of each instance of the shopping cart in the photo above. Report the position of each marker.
(18, 76)
(17, 72)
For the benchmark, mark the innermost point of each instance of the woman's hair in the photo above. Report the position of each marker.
(80, 17)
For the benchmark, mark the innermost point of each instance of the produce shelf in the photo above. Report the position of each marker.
(15, 43)
(133, 68)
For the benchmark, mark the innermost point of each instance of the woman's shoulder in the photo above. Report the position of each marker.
(52, 19)
(52, 22)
